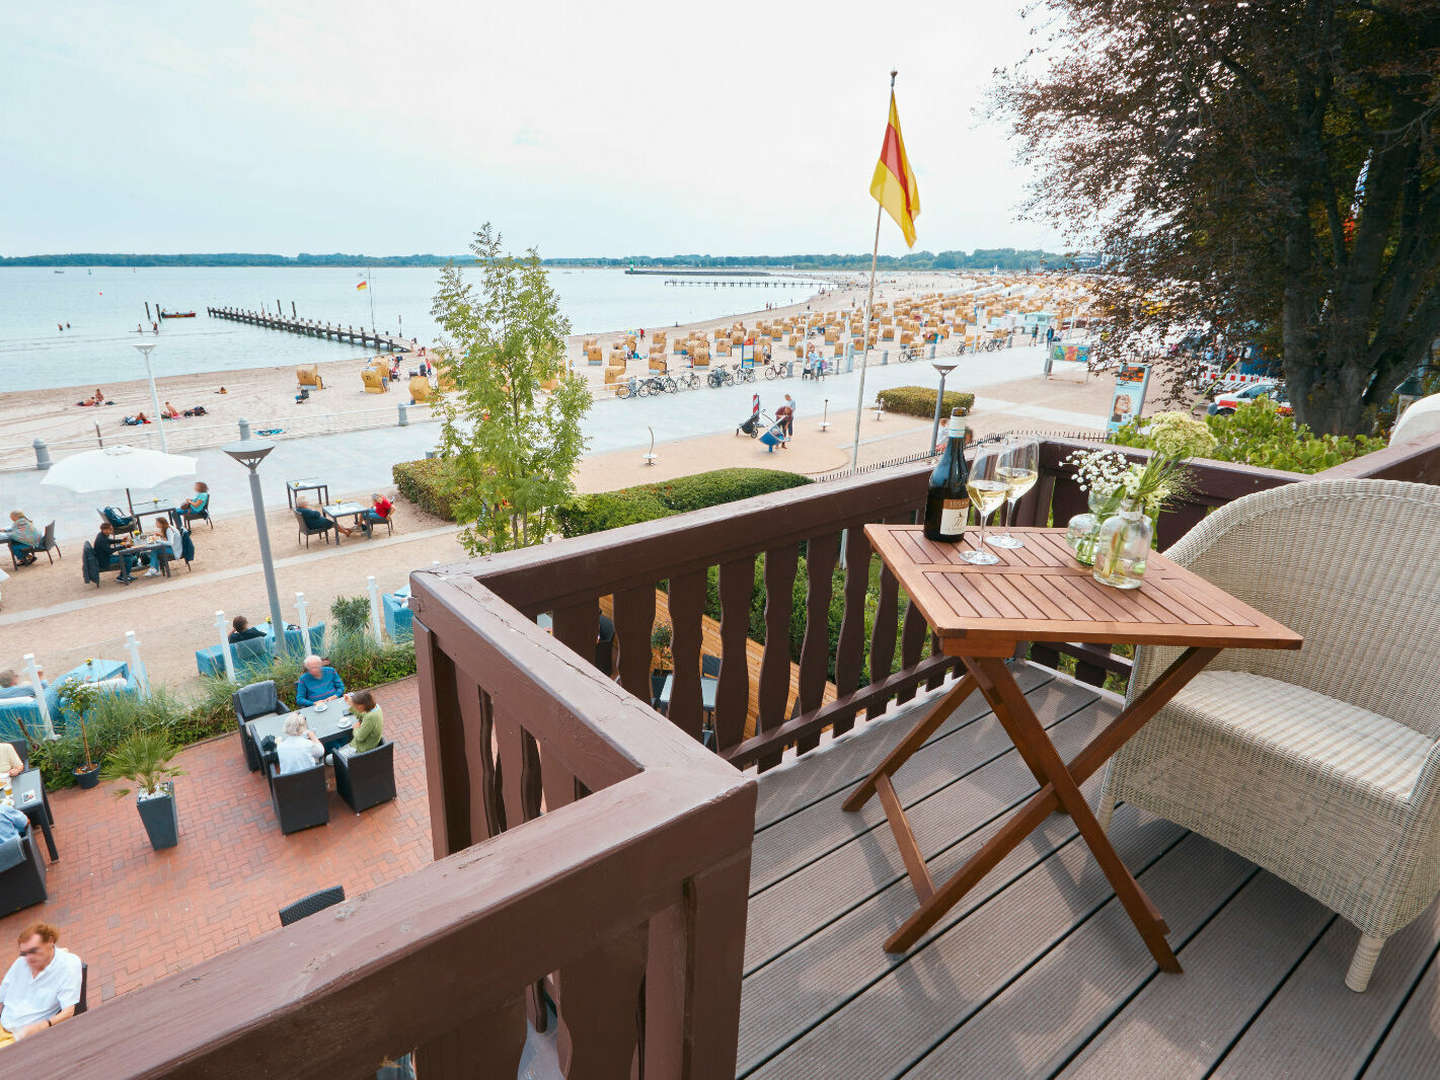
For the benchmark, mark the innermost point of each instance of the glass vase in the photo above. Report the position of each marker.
(1122, 549)
(1082, 532)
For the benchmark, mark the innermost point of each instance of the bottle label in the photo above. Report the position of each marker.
(953, 516)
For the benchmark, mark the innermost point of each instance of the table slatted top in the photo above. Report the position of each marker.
(1039, 592)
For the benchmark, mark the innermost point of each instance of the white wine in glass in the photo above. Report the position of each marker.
(987, 491)
(1019, 469)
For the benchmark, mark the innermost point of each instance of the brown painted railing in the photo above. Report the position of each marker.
(625, 897)
(588, 851)
(568, 579)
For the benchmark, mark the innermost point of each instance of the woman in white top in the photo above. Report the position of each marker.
(298, 748)
(165, 533)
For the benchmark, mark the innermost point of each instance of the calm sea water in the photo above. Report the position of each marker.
(103, 307)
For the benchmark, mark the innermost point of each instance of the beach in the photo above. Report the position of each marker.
(265, 395)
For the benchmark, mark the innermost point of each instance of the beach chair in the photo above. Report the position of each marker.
(376, 381)
(309, 375)
(420, 389)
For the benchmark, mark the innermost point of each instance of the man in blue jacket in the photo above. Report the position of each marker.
(317, 683)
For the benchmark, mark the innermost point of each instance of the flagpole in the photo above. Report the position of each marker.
(371, 290)
(865, 327)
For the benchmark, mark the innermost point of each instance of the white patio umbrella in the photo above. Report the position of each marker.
(114, 467)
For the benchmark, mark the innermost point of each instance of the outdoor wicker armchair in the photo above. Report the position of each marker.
(299, 798)
(368, 779)
(23, 885)
(1322, 765)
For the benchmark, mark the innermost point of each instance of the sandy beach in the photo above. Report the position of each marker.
(265, 396)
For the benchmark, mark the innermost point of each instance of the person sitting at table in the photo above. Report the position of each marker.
(317, 683)
(12, 687)
(298, 748)
(379, 512)
(368, 719)
(243, 631)
(171, 537)
(42, 987)
(24, 536)
(315, 521)
(10, 763)
(13, 823)
(197, 503)
(110, 553)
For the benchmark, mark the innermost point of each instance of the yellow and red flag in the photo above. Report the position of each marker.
(893, 184)
(363, 285)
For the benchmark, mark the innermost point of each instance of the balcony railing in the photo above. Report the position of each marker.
(591, 853)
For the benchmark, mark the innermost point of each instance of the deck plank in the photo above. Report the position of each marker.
(1340, 1028)
(850, 759)
(945, 981)
(797, 906)
(1178, 1028)
(823, 826)
(1034, 1024)
(851, 943)
(1412, 1047)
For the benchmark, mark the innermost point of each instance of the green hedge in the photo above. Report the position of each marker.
(429, 485)
(920, 401)
(646, 502)
(359, 661)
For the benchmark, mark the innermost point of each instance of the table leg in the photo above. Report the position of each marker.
(1026, 731)
(1027, 819)
(938, 714)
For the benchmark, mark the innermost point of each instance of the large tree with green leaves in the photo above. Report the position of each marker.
(510, 406)
(1266, 170)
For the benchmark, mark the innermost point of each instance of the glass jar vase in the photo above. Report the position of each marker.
(1082, 532)
(1122, 548)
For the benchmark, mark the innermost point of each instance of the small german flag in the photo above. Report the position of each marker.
(362, 285)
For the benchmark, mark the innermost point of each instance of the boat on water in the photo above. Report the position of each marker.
(57, 271)
(177, 314)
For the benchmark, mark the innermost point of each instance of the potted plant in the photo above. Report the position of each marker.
(77, 697)
(144, 760)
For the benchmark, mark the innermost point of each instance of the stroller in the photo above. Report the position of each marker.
(755, 423)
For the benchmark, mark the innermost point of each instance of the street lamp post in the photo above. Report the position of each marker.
(154, 394)
(944, 368)
(250, 453)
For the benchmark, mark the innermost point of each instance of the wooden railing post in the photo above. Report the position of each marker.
(692, 981)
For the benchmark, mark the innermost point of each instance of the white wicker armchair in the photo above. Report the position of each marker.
(1322, 765)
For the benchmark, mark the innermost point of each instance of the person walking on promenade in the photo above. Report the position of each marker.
(786, 415)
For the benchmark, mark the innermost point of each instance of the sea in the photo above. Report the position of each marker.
(101, 308)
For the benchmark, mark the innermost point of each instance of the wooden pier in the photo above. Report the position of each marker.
(356, 335)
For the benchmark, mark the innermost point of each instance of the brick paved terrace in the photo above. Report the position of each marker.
(136, 915)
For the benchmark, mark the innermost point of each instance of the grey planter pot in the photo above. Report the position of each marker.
(162, 822)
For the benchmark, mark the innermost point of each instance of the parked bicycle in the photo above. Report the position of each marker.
(686, 380)
(774, 370)
(656, 384)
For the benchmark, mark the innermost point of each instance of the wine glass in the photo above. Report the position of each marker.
(987, 491)
(1019, 470)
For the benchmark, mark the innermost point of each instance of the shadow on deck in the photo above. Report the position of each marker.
(1039, 972)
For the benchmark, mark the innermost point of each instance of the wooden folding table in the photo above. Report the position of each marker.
(1039, 592)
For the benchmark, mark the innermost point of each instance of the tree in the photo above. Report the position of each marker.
(510, 407)
(1266, 171)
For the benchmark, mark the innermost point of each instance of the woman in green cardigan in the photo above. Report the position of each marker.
(366, 734)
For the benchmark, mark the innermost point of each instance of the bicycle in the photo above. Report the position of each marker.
(744, 374)
(686, 380)
(774, 370)
(721, 376)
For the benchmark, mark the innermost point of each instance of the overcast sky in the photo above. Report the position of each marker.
(584, 128)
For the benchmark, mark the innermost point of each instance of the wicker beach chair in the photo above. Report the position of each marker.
(1322, 765)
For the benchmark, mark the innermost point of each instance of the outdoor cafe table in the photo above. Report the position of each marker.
(326, 725)
(1039, 592)
(144, 550)
(295, 487)
(29, 791)
(336, 511)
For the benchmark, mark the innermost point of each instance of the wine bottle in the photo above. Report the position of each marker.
(947, 505)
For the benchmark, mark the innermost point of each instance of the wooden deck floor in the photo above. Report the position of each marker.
(1038, 972)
